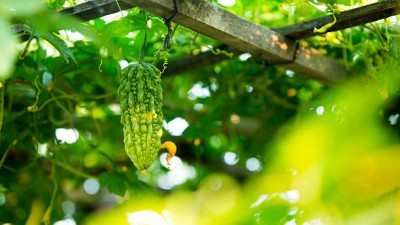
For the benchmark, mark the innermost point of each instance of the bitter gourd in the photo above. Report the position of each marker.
(140, 94)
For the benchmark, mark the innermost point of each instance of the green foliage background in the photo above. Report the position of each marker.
(301, 152)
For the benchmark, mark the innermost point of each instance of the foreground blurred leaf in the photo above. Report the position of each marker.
(9, 50)
(14, 8)
(339, 157)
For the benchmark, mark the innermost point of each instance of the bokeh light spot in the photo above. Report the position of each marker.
(115, 108)
(68, 136)
(260, 200)
(249, 88)
(91, 186)
(244, 56)
(42, 149)
(291, 222)
(146, 217)
(230, 158)
(320, 110)
(68, 221)
(198, 106)
(227, 2)
(393, 119)
(179, 172)
(197, 91)
(177, 126)
(68, 208)
(253, 165)
(289, 73)
(291, 196)
(2, 199)
(235, 119)
(123, 63)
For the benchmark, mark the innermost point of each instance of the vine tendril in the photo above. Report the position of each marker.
(34, 107)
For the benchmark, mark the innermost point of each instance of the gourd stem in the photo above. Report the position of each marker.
(141, 55)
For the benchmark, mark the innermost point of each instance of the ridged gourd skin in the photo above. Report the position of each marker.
(140, 94)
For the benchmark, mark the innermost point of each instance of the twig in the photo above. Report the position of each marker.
(3, 158)
(72, 170)
(49, 210)
(25, 51)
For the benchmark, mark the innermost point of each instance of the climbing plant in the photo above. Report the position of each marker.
(256, 143)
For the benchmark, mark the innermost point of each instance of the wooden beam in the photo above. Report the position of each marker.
(87, 11)
(95, 9)
(358, 16)
(243, 35)
(346, 19)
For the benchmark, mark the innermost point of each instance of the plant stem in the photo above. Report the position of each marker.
(3, 158)
(72, 97)
(141, 55)
(72, 170)
(47, 214)
(25, 51)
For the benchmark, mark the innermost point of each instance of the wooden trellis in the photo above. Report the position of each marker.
(240, 35)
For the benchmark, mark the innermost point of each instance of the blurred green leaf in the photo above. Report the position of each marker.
(114, 182)
(272, 214)
(15, 8)
(56, 4)
(2, 189)
(9, 50)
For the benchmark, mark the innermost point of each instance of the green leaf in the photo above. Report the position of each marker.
(114, 182)
(56, 4)
(15, 8)
(9, 50)
(2, 189)
(58, 43)
(273, 214)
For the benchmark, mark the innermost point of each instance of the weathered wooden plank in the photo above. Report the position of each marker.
(95, 9)
(243, 35)
(87, 11)
(98, 8)
(346, 19)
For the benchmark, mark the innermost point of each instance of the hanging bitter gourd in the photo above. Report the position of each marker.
(140, 94)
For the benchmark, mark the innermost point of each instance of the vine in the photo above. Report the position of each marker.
(49, 210)
(34, 107)
(221, 52)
